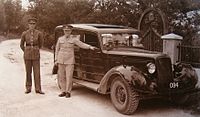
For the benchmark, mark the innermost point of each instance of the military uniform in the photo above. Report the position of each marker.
(65, 59)
(31, 42)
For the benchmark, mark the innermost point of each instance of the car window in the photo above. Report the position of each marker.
(91, 39)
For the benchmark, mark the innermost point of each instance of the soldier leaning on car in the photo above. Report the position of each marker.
(31, 42)
(65, 59)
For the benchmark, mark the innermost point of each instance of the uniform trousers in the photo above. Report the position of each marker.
(35, 66)
(65, 75)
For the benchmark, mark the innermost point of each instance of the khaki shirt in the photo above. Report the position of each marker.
(31, 42)
(65, 49)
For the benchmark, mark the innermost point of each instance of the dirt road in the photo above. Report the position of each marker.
(83, 103)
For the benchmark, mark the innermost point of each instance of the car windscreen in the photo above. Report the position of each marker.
(120, 40)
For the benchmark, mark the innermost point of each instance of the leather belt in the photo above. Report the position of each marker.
(31, 45)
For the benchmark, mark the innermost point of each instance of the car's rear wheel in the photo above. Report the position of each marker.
(123, 97)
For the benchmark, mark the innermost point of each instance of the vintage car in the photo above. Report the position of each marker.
(127, 72)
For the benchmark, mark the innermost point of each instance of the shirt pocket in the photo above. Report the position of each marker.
(70, 45)
(62, 43)
(66, 44)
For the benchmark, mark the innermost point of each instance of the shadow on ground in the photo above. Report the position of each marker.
(193, 105)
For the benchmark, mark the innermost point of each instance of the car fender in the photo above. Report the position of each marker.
(129, 74)
(185, 74)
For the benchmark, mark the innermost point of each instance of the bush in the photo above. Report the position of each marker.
(48, 41)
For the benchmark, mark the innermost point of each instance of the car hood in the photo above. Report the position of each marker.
(135, 52)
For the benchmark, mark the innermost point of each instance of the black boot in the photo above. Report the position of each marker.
(62, 94)
(68, 95)
(27, 91)
(40, 92)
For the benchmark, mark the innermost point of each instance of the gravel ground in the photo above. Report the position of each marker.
(2, 38)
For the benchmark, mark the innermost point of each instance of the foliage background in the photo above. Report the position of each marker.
(183, 15)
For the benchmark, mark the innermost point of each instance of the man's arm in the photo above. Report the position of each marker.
(40, 36)
(57, 49)
(82, 45)
(22, 42)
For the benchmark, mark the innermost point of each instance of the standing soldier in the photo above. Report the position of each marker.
(65, 59)
(31, 42)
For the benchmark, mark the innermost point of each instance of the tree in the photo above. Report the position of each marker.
(182, 15)
(78, 10)
(119, 12)
(12, 10)
(50, 13)
(2, 16)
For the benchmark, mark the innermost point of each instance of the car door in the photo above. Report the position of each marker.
(78, 74)
(92, 64)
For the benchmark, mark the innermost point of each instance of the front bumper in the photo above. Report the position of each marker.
(170, 93)
(180, 92)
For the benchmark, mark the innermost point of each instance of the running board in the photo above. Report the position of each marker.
(90, 85)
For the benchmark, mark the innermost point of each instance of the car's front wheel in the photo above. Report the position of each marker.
(123, 97)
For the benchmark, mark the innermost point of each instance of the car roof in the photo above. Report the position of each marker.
(102, 28)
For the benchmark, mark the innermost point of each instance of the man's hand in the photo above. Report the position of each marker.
(56, 62)
(92, 48)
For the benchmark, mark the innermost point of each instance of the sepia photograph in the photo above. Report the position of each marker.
(99, 58)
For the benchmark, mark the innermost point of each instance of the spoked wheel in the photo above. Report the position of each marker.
(123, 97)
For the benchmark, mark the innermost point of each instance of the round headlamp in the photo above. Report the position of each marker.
(151, 68)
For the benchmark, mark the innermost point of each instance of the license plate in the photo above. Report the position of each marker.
(173, 85)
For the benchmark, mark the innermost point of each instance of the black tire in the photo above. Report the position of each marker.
(123, 97)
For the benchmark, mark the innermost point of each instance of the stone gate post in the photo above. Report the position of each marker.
(170, 45)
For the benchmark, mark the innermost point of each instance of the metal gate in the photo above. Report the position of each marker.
(189, 54)
(152, 25)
